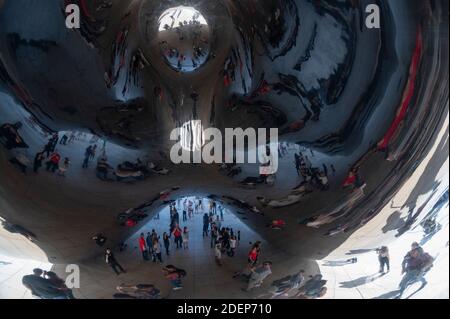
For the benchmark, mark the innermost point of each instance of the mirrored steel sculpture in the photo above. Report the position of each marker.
(361, 112)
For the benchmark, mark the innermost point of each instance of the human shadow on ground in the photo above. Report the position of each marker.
(360, 281)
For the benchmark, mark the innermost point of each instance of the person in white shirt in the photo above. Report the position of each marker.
(218, 253)
(233, 244)
(185, 237)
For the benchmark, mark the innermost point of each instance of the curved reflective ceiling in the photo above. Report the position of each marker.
(361, 114)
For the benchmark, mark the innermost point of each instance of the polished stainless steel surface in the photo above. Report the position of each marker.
(363, 107)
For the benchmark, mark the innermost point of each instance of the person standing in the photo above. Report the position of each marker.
(154, 235)
(218, 253)
(166, 240)
(254, 254)
(176, 216)
(184, 215)
(87, 153)
(48, 148)
(205, 225)
(383, 258)
(72, 137)
(325, 169)
(54, 142)
(214, 234)
(112, 262)
(143, 246)
(63, 140)
(297, 163)
(53, 162)
(92, 152)
(221, 212)
(177, 234)
(38, 161)
(157, 250)
(149, 242)
(185, 237)
(233, 243)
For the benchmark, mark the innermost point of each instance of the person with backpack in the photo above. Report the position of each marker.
(418, 264)
(414, 245)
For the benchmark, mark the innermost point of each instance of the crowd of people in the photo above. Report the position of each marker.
(223, 240)
(54, 161)
(190, 33)
(50, 157)
(310, 174)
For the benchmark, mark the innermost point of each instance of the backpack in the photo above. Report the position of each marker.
(427, 259)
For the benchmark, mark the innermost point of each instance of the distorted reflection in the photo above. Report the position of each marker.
(184, 38)
(349, 200)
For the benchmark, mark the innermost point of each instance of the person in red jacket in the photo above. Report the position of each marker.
(177, 234)
(254, 253)
(53, 162)
(350, 180)
(143, 246)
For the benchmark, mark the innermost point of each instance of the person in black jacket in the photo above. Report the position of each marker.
(38, 161)
(111, 260)
(166, 240)
(205, 225)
